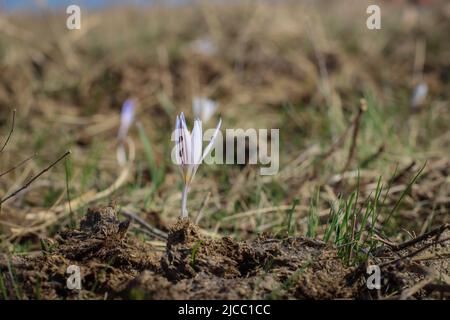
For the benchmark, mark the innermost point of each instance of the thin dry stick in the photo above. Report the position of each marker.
(414, 289)
(202, 208)
(26, 185)
(68, 190)
(435, 232)
(351, 152)
(17, 166)
(338, 143)
(256, 211)
(402, 173)
(373, 156)
(154, 231)
(380, 238)
(10, 132)
(51, 216)
(414, 252)
(91, 197)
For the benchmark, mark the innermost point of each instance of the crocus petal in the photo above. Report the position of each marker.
(203, 108)
(211, 143)
(197, 147)
(185, 141)
(197, 142)
(204, 46)
(178, 147)
(126, 118)
(197, 107)
(209, 109)
(419, 94)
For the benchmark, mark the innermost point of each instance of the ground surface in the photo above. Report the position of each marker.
(364, 173)
(115, 265)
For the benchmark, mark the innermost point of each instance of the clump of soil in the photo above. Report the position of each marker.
(106, 256)
(117, 265)
(199, 267)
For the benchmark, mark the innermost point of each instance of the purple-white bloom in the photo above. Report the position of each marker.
(204, 46)
(203, 108)
(189, 152)
(419, 95)
(126, 118)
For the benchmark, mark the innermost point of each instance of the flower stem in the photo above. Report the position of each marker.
(184, 212)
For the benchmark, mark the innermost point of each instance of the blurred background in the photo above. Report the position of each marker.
(349, 102)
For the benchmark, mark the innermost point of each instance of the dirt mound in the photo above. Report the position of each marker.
(107, 259)
(114, 264)
(262, 268)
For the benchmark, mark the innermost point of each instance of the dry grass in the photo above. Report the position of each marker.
(303, 68)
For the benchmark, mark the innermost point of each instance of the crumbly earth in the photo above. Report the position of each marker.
(115, 264)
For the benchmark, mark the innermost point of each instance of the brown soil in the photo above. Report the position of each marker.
(114, 264)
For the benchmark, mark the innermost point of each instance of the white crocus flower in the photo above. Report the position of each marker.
(203, 108)
(126, 120)
(204, 46)
(419, 95)
(190, 153)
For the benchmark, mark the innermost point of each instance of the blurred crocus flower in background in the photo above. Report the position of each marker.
(419, 95)
(126, 120)
(204, 46)
(203, 108)
(190, 153)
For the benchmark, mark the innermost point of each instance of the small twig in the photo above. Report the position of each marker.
(338, 142)
(413, 253)
(202, 208)
(380, 238)
(54, 214)
(356, 124)
(373, 156)
(405, 294)
(256, 212)
(68, 194)
(402, 173)
(154, 231)
(434, 232)
(10, 132)
(26, 185)
(17, 165)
